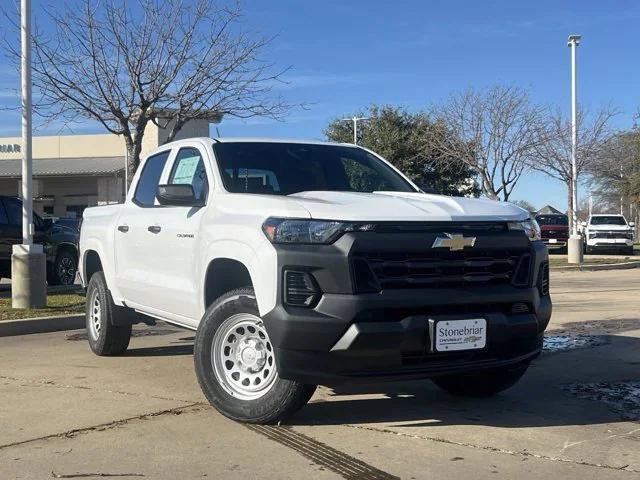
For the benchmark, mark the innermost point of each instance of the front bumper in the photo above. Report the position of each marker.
(352, 336)
(611, 243)
(555, 243)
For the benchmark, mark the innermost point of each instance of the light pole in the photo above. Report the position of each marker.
(355, 121)
(28, 262)
(574, 248)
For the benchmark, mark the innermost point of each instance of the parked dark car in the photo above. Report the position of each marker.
(60, 242)
(554, 228)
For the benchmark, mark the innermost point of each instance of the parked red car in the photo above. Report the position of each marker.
(555, 231)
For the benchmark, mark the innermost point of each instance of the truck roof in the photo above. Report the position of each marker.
(275, 140)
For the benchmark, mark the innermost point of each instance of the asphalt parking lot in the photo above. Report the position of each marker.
(65, 413)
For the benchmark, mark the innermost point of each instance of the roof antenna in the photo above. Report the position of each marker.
(218, 132)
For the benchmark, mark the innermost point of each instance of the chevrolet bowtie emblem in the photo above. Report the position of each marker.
(453, 242)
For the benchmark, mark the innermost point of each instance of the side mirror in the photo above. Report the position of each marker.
(178, 195)
(584, 224)
(47, 223)
(632, 224)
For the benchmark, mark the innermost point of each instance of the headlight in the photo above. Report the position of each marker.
(530, 228)
(290, 230)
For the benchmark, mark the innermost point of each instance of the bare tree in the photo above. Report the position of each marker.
(127, 63)
(494, 132)
(553, 156)
(615, 173)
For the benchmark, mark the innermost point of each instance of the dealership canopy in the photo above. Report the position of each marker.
(51, 167)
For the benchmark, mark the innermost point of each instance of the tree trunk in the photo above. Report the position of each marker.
(134, 147)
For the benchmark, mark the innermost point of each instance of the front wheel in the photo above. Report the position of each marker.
(235, 363)
(481, 384)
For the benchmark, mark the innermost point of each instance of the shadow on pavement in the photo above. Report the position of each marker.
(166, 351)
(540, 399)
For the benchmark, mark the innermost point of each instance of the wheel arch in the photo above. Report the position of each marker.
(68, 247)
(222, 275)
(224, 256)
(91, 264)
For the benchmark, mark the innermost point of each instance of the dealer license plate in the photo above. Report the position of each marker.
(453, 335)
(553, 240)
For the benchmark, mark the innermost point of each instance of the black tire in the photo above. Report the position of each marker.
(280, 398)
(588, 250)
(105, 338)
(481, 384)
(63, 270)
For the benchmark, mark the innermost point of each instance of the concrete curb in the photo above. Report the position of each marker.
(26, 326)
(596, 266)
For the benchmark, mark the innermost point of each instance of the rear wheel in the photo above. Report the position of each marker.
(481, 384)
(64, 268)
(105, 333)
(236, 365)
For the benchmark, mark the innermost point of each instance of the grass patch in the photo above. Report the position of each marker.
(62, 304)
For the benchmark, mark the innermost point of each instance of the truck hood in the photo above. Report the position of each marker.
(401, 206)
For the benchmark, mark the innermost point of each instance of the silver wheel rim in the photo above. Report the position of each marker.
(242, 357)
(95, 315)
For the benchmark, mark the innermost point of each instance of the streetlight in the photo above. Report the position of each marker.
(574, 249)
(28, 262)
(355, 121)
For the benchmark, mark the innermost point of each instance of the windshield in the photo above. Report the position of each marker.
(552, 220)
(608, 220)
(286, 168)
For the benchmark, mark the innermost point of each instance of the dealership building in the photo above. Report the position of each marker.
(72, 172)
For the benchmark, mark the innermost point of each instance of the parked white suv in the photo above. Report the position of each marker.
(608, 232)
(305, 263)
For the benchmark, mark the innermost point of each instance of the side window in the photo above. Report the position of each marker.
(4, 220)
(148, 183)
(188, 169)
(14, 211)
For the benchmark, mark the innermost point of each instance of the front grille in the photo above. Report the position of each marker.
(612, 235)
(440, 268)
(555, 234)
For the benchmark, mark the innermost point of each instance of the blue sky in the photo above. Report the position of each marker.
(345, 55)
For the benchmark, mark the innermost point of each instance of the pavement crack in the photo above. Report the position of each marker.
(493, 449)
(193, 407)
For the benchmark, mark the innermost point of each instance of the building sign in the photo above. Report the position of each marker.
(9, 148)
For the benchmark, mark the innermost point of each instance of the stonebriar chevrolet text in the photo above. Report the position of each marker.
(302, 263)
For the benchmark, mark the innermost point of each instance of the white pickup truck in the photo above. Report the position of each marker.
(305, 263)
(608, 232)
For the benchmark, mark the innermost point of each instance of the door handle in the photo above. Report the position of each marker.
(154, 228)
(123, 228)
